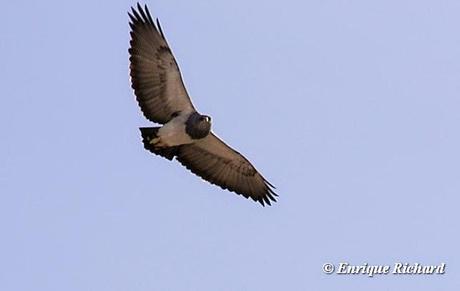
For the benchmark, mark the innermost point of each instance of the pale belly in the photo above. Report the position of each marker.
(173, 133)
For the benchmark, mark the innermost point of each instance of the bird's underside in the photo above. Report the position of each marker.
(185, 134)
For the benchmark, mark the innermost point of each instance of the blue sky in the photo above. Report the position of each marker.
(351, 108)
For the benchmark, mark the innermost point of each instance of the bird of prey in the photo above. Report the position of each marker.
(186, 134)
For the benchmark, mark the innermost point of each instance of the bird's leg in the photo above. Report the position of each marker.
(154, 141)
(157, 143)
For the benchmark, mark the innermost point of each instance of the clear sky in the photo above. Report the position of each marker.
(351, 108)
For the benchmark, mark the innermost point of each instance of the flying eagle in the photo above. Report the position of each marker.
(185, 134)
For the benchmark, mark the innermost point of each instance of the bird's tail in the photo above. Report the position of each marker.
(148, 134)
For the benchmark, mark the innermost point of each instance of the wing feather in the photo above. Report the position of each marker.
(213, 160)
(155, 75)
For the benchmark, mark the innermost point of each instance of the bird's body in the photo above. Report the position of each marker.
(185, 134)
(173, 133)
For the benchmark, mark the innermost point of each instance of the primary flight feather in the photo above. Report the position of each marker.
(186, 134)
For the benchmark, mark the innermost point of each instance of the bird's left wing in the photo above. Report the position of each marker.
(155, 75)
(213, 160)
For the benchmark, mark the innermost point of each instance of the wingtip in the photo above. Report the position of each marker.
(261, 201)
(160, 29)
(268, 183)
(266, 200)
(142, 15)
(149, 16)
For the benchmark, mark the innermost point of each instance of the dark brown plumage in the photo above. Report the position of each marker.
(155, 75)
(162, 97)
(214, 161)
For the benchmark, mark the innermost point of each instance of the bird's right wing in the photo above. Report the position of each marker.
(213, 160)
(155, 75)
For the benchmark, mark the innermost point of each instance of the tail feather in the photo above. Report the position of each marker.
(149, 133)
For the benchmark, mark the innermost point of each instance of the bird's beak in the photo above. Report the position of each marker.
(208, 119)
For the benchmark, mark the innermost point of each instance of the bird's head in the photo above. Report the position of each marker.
(198, 126)
(205, 118)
